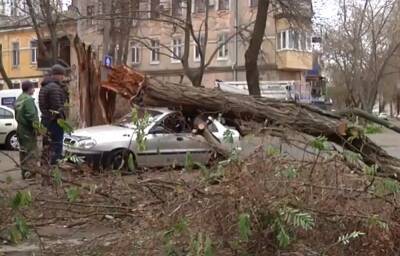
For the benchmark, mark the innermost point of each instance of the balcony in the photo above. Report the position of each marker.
(294, 60)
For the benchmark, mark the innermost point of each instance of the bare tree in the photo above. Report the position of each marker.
(360, 50)
(45, 16)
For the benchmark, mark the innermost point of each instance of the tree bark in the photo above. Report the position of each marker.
(251, 55)
(193, 101)
(3, 71)
(89, 86)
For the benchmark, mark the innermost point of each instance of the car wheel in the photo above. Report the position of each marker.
(121, 159)
(12, 141)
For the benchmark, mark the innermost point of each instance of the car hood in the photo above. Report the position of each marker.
(103, 132)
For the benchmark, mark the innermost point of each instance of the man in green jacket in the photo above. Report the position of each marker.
(26, 115)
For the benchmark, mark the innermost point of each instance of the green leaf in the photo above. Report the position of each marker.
(228, 137)
(372, 129)
(189, 162)
(56, 175)
(244, 227)
(391, 186)
(371, 170)
(320, 143)
(20, 231)
(345, 239)
(375, 221)
(272, 151)
(21, 199)
(131, 162)
(296, 218)
(282, 235)
(73, 194)
(351, 156)
(290, 173)
(208, 248)
(65, 125)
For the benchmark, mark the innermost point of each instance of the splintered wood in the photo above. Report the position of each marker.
(124, 81)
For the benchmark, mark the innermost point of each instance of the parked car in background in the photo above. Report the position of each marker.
(8, 128)
(167, 139)
(9, 97)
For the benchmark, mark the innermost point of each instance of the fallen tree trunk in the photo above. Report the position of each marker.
(192, 101)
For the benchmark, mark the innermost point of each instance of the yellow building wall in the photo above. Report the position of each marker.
(26, 69)
(294, 60)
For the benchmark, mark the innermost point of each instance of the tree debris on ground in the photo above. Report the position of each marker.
(266, 204)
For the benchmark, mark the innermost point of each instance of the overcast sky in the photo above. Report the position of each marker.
(325, 10)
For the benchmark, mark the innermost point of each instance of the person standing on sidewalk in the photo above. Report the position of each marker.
(27, 117)
(52, 99)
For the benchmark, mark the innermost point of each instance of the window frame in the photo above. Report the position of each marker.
(228, 8)
(224, 48)
(195, 50)
(15, 54)
(178, 47)
(294, 40)
(134, 47)
(153, 49)
(92, 8)
(34, 51)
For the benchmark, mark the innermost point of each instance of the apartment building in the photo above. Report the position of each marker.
(155, 48)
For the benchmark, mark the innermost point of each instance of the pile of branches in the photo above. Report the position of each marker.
(265, 204)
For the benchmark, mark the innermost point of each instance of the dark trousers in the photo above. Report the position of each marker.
(53, 142)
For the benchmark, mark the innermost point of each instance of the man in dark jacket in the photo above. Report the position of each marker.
(52, 99)
(27, 117)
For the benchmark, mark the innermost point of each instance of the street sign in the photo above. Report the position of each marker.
(107, 61)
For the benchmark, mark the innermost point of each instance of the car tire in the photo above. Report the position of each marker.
(12, 141)
(119, 160)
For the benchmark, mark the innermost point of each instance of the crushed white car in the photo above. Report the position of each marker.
(165, 140)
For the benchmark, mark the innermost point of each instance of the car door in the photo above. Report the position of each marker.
(169, 141)
(7, 124)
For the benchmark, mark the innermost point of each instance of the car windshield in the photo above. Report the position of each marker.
(127, 120)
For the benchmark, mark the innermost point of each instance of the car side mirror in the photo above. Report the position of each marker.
(157, 130)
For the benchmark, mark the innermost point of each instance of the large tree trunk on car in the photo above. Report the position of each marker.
(192, 101)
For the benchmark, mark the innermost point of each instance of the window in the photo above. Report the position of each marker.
(293, 40)
(33, 51)
(197, 49)
(223, 4)
(155, 52)
(5, 114)
(223, 47)
(199, 6)
(253, 3)
(155, 9)
(35, 84)
(177, 50)
(308, 42)
(89, 14)
(15, 54)
(135, 53)
(177, 8)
